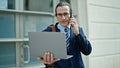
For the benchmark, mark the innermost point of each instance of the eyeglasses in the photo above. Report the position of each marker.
(62, 14)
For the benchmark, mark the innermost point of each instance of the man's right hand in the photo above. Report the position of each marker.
(48, 58)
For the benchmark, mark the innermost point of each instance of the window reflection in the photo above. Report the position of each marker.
(7, 55)
(35, 23)
(11, 4)
(66, 0)
(7, 25)
(7, 4)
(39, 5)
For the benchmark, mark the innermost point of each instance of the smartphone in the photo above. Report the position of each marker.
(71, 16)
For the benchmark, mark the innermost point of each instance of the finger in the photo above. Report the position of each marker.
(73, 20)
(72, 24)
(45, 57)
(52, 58)
(40, 58)
(48, 57)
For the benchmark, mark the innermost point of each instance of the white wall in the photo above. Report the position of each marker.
(83, 22)
(104, 33)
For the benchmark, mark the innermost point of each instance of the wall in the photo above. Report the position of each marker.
(104, 33)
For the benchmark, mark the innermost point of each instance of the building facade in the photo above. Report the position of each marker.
(100, 20)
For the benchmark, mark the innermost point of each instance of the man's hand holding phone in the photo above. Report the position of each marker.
(74, 24)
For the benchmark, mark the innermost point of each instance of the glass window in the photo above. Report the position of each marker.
(39, 5)
(7, 25)
(36, 23)
(7, 4)
(7, 54)
(11, 4)
(66, 0)
(33, 60)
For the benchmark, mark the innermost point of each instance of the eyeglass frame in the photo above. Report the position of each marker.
(62, 14)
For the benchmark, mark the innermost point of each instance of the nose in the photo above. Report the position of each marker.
(63, 17)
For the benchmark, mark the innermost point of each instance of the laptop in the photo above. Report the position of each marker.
(41, 42)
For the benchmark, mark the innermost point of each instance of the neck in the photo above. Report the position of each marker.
(65, 26)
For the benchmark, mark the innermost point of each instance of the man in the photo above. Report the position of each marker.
(76, 42)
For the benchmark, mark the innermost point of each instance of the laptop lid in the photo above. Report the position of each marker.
(41, 42)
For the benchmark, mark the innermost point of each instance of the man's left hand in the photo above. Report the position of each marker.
(74, 24)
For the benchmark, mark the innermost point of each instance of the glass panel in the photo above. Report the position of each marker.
(11, 4)
(36, 23)
(39, 5)
(7, 55)
(7, 4)
(33, 60)
(66, 0)
(7, 25)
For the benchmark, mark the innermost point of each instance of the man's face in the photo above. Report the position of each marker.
(63, 15)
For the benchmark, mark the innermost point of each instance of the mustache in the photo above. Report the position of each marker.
(64, 20)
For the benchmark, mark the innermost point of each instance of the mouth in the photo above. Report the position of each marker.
(64, 21)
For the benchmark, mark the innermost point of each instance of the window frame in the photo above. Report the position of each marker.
(20, 40)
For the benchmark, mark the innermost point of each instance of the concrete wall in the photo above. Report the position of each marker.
(104, 33)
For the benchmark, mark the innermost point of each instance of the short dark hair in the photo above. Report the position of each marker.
(63, 3)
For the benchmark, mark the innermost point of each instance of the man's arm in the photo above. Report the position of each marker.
(83, 43)
(81, 40)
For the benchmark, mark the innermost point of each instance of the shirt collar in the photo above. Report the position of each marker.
(62, 27)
